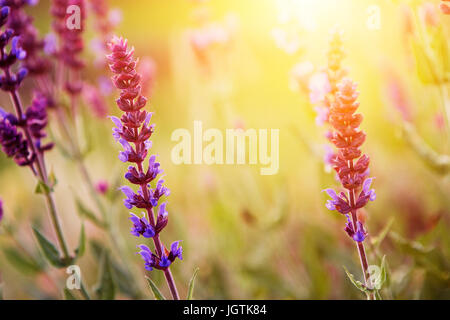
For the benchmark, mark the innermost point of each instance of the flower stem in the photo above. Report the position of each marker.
(42, 175)
(360, 246)
(158, 245)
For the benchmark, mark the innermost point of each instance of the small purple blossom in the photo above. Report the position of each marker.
(337, 202)
(360, 234)
(141, 226)
(160, 262)
(13, 144)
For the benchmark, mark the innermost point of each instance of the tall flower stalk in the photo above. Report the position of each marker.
(21, 133)
(352, 168)
(133, 131)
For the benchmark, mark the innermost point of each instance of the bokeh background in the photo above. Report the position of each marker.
(229, 63)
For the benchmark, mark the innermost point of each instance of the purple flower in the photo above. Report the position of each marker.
(366, 194)
(147, 256)
(176, 251)
(359, 235)
(13, 144)
(163, 218)
(36, 116)
(159, 191)
(133, 131)
(163, 261)
(337, 202)
(16, 50)
(141, 227)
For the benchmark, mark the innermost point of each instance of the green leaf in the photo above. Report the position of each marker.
(376, 241)
(49, 250)
(384, 271)
(81, 244)
(21, 262)
(68, 295)
(105, 288)
(158, 295)
(192, 285)
(355, 282)
(42, 188)
(88, 214)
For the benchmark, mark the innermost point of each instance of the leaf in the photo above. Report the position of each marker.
(158, 295)
(105, 288)
(376, 241)
(42, 188)
(21, 262)
(49, 250)
(355, 282)
(81, 244)
(384, 272)
(68, 295)
(88, 214)
(192, 285)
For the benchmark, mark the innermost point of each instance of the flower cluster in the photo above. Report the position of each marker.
(164, 260)
(445, 7)
(34, 119)
(351, 166)
(133, 131)
(22, 24)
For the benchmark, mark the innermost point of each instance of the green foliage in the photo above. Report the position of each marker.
(156, 292)
(22, 262)
(105, 288)
(81, 244)
(190, 293)
(88, 214)
(49, 250)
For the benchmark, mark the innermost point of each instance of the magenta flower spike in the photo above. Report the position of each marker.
(133, 131)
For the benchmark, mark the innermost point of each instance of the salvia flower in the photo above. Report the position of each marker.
(22, 24)
(141, 227)
(351, 166)
(133, 131)
(163, 261)
(12, 142)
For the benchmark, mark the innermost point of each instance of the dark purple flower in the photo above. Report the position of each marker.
(147, 256)
(13, 144)
(141, 227)
(359, 235)
(162, 219)
(134, 199)
(337, 202)
(36, 116)
(159, 191)
(163, 261)
(366, 194)
(176, 251)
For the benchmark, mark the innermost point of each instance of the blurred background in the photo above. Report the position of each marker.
(249, 64)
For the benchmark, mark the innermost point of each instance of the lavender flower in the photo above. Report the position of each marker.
(133, 131)
(22, 24)
(160, 262)
(13, 144)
